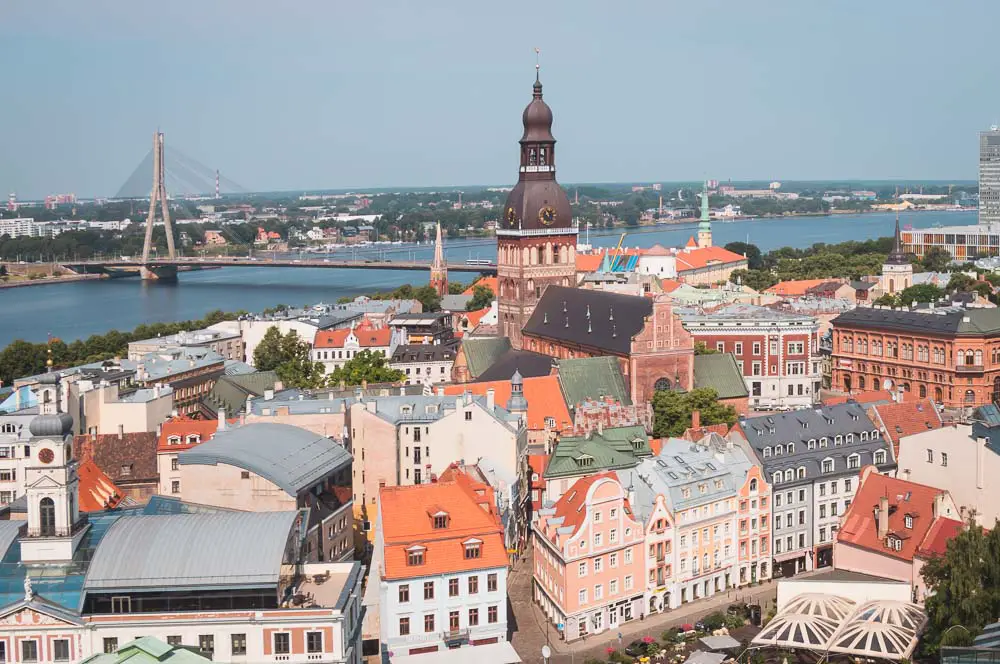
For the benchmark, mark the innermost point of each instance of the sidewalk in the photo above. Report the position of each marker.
(658, 623)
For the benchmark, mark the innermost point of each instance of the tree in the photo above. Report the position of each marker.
(960, 282)
(428, 297)
(289, 357)
(482, 296)
(888, 300)
(920, 293)
(755, 260)
(456, 288)
(365, 366)
(936, 259)
(963, 587)
(700, 348)
(672, 410)
(756, 279)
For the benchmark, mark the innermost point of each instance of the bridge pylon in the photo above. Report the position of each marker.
(158, 195)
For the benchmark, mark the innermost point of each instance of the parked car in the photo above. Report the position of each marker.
(636, 649)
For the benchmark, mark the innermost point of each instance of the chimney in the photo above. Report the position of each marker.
(278, 386)
(695, 419)
(222, 420)
(440, 391)
(490, 399)
(268, 395)
(364, 384)
(121, 431)
(980, 462)
(938, 507)
(882, 517)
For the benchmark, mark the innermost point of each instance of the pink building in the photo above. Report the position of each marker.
(589, 558)
(893, 527)
(754, 527)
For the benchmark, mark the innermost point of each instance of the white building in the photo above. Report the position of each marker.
(333, 348)
(441, 565)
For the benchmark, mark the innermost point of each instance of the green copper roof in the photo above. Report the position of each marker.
(616, 448)
(720, 372)
(481, 354)
(592, 378)
(148, 649)
(230, 392)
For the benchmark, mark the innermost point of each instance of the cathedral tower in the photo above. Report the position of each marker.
(536, 239)
(705, 224)
(439, 268)
(897, 271)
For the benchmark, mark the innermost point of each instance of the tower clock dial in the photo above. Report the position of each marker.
(45, 455)
(511, 216)
(547, 215)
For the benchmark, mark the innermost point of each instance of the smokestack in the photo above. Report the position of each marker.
(222, 420)
(882, 517)
(121, 431)
(695, 419)
(490, 398)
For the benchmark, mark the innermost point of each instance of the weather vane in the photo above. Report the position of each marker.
(538, 64)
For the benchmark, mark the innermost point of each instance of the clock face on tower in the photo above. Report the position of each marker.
(547, 215)
(46, 455)
(511, 216)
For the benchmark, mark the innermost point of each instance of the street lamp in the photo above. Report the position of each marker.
(546, 653)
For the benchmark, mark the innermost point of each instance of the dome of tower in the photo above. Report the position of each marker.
(54, 425)
(537, 118)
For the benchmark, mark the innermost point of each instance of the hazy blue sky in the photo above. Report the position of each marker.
(331, 94)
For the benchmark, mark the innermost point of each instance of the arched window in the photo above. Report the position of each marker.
(979, 358)
(922, 391)
(662, 385)
(996, 390)
(970, 396)
(47, 517)
(938, 395)
(861, 382)
(753, 485)
(541, 255)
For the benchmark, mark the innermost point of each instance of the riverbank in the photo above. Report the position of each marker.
(46, 281)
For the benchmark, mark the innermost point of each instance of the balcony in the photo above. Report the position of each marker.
(970, 368)
(455, 636)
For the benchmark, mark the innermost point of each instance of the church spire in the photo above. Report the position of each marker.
(897, 256)
(439, 269)
(705, 224)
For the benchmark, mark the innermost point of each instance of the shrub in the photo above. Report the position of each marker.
(714, 621)
(672, 635)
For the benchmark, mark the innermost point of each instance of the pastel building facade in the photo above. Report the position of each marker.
(589, 559)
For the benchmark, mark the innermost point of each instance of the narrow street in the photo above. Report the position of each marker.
(531, 630)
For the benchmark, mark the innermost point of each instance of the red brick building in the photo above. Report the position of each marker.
(777, 351)
(653, 349)
(950, 355)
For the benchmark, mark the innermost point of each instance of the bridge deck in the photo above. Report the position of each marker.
(281, 262)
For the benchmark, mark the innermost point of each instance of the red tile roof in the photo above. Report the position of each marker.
(489, 282)
(696, 434)
(184, 427)
(669, 285)
(571, 506)
(691, 244)
(543, 394)
(898, 420)
(407, 514)
(368, 337)
(128, 459)
(860, 529)
(794, 287)
(96, 490)
(863, 398)
(694, 259)
(936, 541)
(589, 262)
(538, 463)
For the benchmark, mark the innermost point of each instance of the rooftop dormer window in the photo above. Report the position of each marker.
(440, 519)
(585, 461)
(908, 521)
(473, 549)
(894, 543)
(193, 439)
(173, 440)
(415, 556)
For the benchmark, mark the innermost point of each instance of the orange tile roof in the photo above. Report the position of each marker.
(571, 506)
(367, 337)
(538, 463)
(655, 444)
(699, 258)
(691, 244)
(543, 394)
(407, 514)
(96, 490)
(936, 541)
(898, 420)
(475, 316)
(490, 282)
(795, 287)
(859, 528)
(696, 434)
(589, 262)
(669, 285)
(183, 427)
(864, 398)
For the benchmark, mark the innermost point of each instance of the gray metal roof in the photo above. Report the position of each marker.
(226, 550)
(290, 457)
(8, 533)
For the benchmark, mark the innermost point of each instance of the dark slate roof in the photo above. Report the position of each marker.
(592, 378)
(528, 363)
(720, 372)
(949, 321)
(128, 459)
(423, 353)
(561, 315)
(482, 353)
(863, 285)
(801, 426)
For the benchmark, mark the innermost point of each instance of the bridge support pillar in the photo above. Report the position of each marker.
(165, 273)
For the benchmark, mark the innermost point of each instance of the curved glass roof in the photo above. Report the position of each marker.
(881, 629)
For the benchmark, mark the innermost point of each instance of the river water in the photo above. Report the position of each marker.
(76, 310)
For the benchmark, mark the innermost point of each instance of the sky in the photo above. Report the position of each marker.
(330, 94)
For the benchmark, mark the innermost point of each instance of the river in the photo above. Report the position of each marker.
(76, 310)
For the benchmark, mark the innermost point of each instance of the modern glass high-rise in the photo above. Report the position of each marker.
(989, 176)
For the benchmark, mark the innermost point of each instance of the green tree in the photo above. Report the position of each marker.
(920, 293)
(482, 296)
(267, 356)
(428, 297)
(963, 586)
(672, 410)
(456, 288)
(960, 282)
(365, 366)
(289, 357)
(700, 348)
(888, 300)
(755, 260)
(758, 280)
(936, 259)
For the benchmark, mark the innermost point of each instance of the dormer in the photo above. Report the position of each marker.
(415, 555)
(585, 461)
(908, 521)
(894, 542)
(439, 518)
(193, 438)
(473, 548)
(173, 440)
